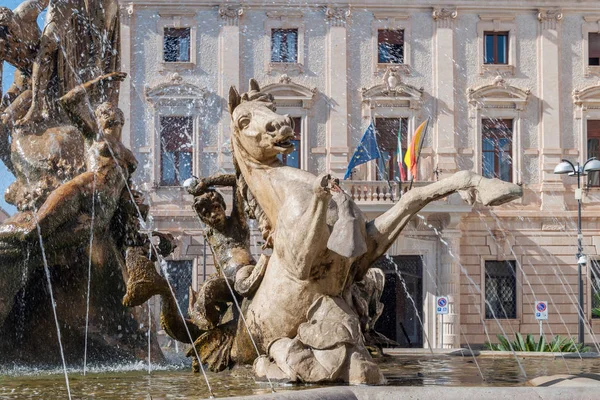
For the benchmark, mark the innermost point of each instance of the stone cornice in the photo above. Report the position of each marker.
(390, 5)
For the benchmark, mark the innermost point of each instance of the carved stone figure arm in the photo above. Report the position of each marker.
(383, 231)
(249, 277)
(214, 180)
(76, 103)
(28, 11)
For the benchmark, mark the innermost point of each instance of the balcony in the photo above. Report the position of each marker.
(379, 196)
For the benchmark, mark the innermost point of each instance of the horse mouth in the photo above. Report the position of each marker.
(284, 143)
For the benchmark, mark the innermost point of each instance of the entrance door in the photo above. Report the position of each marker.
(400, 318)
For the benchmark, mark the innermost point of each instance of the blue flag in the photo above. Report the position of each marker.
(367, 150)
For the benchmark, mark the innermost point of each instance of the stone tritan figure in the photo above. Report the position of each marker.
(74, 29)
(304, 292)
(109, 165)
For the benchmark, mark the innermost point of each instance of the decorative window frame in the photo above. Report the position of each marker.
(587, 106)
(497, 23)
(175, 99)
(384, 101)
(285, 20)
(499, 101)
(177, 19)
(392, 21)
(296, 101)
(591, 25)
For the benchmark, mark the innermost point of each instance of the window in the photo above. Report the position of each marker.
(293, 159)
(180, 278)
(593, 48)
(175, 150)
(497, 148)
(595, 282)
(387, 140)
(176, 45)
(284, 45)
(495, 48)
(500, 289)
(593, 148)
(390, 46)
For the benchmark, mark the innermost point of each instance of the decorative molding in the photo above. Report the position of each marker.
(588, 97)
(549, 17)
(285, 14)
(230, 14)
(444, 16)
(499, 94)
(176, 91)
(290, 92)
(401, 95)
(337, 16)
(390, 15)
(497, 17)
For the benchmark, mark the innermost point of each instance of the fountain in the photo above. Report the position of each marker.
(77, 262)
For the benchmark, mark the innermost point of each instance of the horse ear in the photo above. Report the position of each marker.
(234, 99)
(254, 85)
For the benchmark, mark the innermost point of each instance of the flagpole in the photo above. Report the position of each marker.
(377, 163)
(419, 152)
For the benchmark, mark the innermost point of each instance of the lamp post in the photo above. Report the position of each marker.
(567, 167)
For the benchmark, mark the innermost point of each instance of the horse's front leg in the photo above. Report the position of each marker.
(305, 239)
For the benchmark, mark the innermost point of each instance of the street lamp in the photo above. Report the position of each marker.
(567, 167)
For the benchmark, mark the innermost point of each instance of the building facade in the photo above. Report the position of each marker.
(511, 89)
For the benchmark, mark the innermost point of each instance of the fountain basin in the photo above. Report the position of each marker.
(410, 374)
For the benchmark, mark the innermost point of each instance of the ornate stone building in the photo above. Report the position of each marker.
(511, 89)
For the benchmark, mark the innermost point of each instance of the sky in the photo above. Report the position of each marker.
(6, 177)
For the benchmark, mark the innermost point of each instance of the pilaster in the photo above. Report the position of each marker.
(230, 71)
(443, 88)
(550, 126)
(337, 89)
(449, 285)
(127, 26)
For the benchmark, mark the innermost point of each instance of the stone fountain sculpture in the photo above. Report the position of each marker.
(73, 182)
(308, 305)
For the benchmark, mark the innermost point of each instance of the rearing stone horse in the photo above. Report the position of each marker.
(300, 314)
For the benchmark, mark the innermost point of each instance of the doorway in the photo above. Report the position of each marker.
(401, 320)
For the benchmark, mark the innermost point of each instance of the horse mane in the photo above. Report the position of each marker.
(251, 207)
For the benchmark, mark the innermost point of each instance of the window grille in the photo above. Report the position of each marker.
(500, 289)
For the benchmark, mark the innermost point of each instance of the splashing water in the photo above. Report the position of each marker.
(89, 283)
